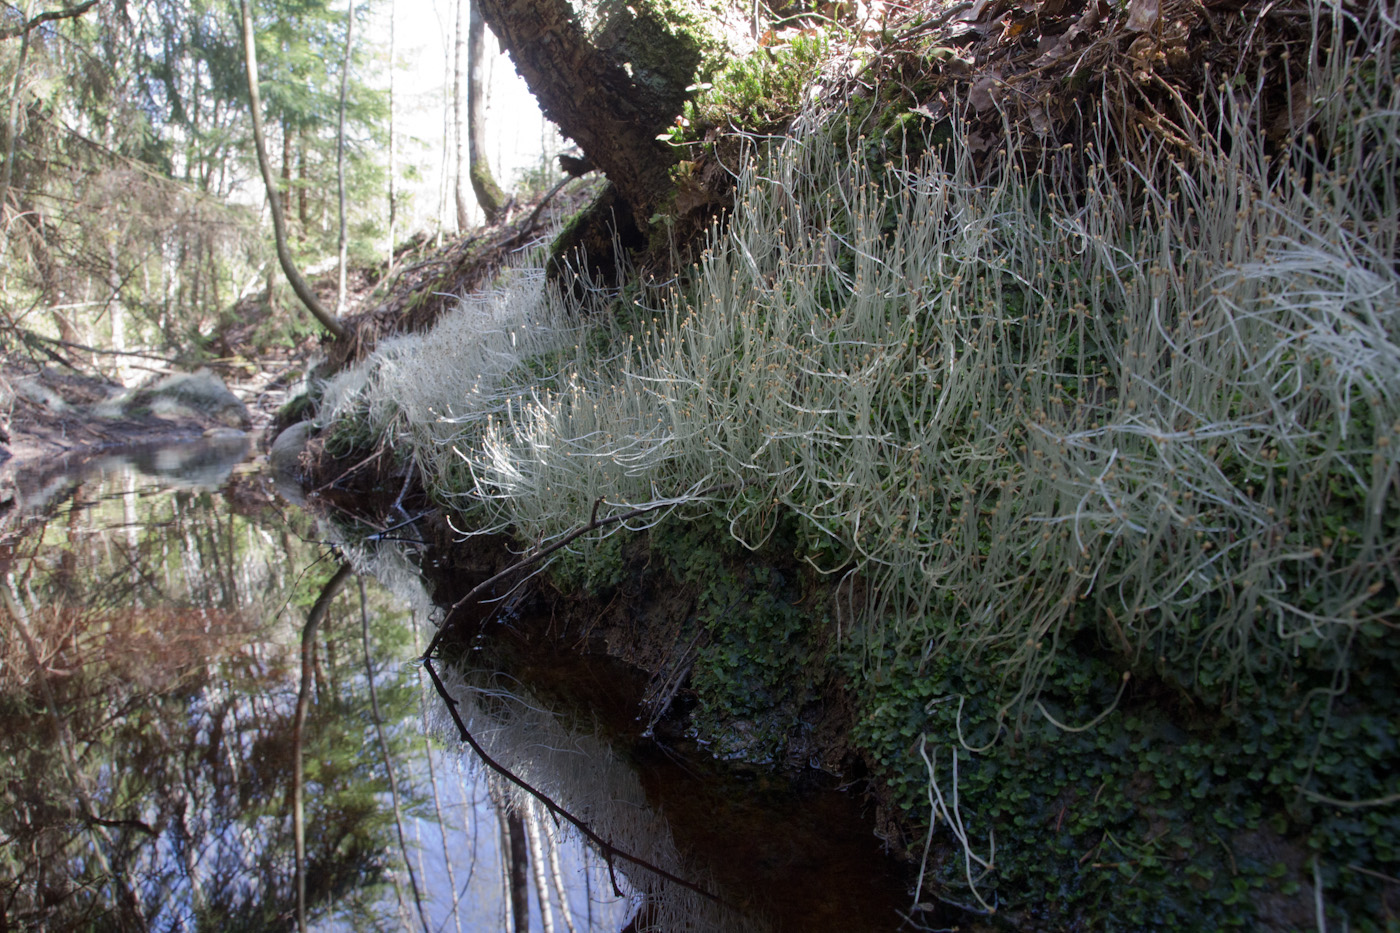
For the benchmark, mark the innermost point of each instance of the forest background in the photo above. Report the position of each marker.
(134, 230)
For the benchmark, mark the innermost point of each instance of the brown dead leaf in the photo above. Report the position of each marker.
(982, 97)
(1040, 121)
(1143, 15)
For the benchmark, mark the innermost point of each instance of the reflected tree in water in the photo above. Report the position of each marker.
(148, 705)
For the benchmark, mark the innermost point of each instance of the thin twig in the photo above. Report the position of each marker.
(608, 850)
(593, 524)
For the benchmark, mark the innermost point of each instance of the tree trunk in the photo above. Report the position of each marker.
(488, 193)
(537, 863)
(393, 152)
(340, 156)
(308, 647)
(519, 856)
(116, 310)
(388, 761)
(279, 229)
(303, 189)
(12, 132)
(459, 105)
(286, 167)
(587, 90)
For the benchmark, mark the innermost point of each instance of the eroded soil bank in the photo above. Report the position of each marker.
(770, 796)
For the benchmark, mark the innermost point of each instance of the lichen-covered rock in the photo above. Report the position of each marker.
(200, 395)
(285, 455)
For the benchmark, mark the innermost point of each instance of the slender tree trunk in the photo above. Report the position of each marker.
(115, 309)
(303, 189)
(393, 151)
(389, 762)
(488, 193)
(459, 106)
(12, 131)
(537, 862)
(286, 188)
(445, 174)
(340, 156)
(279, 229)
(556, 874)
(519, 856)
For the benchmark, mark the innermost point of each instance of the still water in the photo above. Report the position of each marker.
(210, 718)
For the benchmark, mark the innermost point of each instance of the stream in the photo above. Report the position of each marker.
(184, 666)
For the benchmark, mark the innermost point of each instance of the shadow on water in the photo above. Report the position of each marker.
(790, 853)
(165, 704)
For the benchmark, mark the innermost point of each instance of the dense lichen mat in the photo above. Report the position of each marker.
(1090, 453)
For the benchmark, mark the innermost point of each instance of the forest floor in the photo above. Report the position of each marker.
(54, 415)
(55, 412)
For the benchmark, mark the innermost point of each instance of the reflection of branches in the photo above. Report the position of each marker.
(388, 761)
(308, 650)
(126, 897)
(437, 798)
(608, 850)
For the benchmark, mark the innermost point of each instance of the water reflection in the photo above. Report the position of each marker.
(152, 613)
(210, 719)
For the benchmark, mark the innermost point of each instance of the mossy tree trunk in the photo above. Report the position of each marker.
(612, 87)
(488, 193)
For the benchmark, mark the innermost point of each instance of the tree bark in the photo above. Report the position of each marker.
(344, 243)
(279, 228)
(488, 193)
(393, 152)
(459, 106)
(11, 132)
(286, 167)
(588, 92)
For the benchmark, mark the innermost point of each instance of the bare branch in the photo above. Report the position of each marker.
(49, 16)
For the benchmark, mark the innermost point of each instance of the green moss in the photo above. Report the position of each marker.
(758, 93)
(593, 567)
(759, 653)
(297, 408)
(665, 46)
(349, 435)
(1167, 815)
